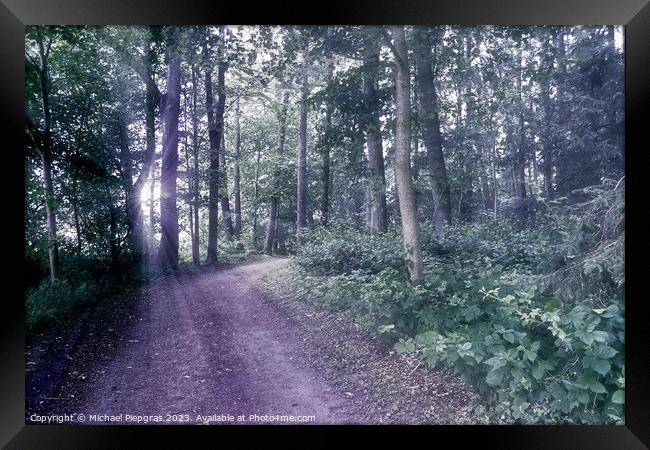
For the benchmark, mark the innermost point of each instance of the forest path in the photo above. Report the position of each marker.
(208, 344)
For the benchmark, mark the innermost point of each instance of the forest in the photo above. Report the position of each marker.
(458, 192)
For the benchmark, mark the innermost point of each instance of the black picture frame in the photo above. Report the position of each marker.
(14, 14)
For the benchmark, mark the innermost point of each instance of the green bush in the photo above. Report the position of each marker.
(533, 317)
(536, 359)
(339, 250)
(51, 302)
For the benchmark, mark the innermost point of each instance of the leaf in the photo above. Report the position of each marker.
(618, 397)
(531, 356)
(538, 372)
(494, 377)
(583, 397)
(385, 328)
(596, 386)
(404, 346)
(495, 362)
(600, 336)
(465, 346)
(471, 313)
(604, 351)
(431, 359)
(599, 365)
(587, 338)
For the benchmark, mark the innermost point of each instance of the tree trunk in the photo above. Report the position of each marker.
(403, 180)
(168, 250)
(196, 257)
(46, 159)
(519, 163)
(377, 175)
(236, 177)
(547, 143)
(75, 211)
(188, 170)
(255, 195)
(133, 207)
(152, 100)
(152, 228)
(223, 196)
(325, 151)
(563, 177)
(215, 128)
(113, 242)
(275, 200)
(431, 132)
(301, 216)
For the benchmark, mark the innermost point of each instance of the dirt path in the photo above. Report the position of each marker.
(206, 345)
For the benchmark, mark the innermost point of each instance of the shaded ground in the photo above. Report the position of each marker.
(210, 344)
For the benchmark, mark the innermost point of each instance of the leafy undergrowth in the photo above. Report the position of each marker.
(534, 317)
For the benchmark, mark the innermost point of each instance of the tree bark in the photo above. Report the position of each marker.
(301, 212)
(431, 131)
(152, 99)
(403, 180)
(236, 176)
(377, 175)
(255, 195)
(224, 198)
(563, 182)
(196, 257)
(325, 152)
(47, 159)
(215, 129)
(188, 170)
(519, 163)
(168, 250)
(547, 145)
(275, 200)
(75, 211)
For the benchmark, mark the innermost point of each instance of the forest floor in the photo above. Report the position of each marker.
(208, 343)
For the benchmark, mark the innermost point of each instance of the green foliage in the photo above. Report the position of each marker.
(51, 302)
(490, 307)
(536, 359)
(338, 251)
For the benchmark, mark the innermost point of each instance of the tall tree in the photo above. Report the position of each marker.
(168, 250)
(275, 198)
(547, 141)
(237, 175)
(144, 66)
(215, 130)
(301, 213)
(44, 40)
(224, 199)
(403, 179)
(196, 181)
(431, 130)
(325, 143)
(519, 147)
(372, 126)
